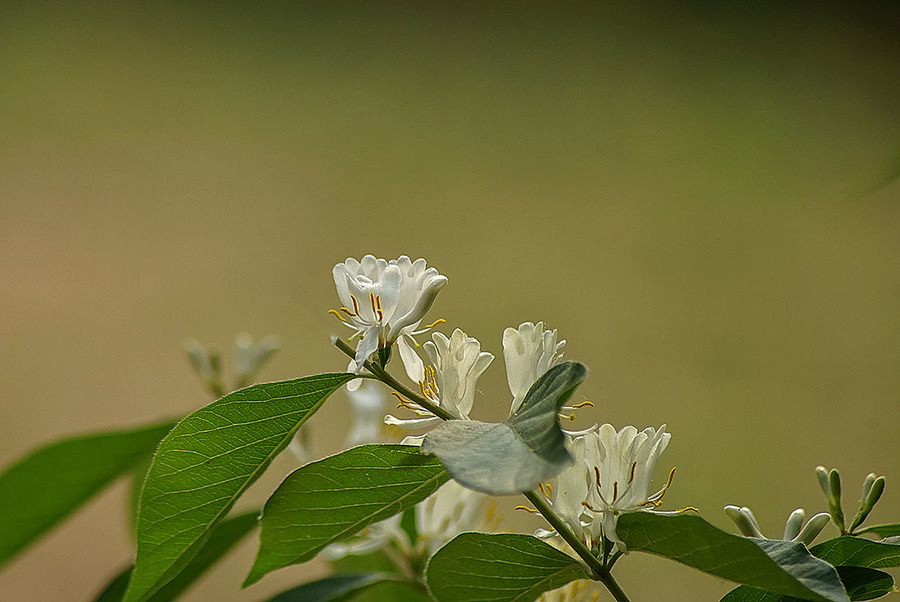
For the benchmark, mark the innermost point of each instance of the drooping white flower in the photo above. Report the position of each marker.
(794, 529)
(528, 351)
(567, 493)
(366, 408)
(623, 464)
(449, 381)
(383, 299)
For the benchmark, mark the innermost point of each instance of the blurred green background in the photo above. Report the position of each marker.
(701, 198)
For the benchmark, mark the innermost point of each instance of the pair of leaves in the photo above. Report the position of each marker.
(206, 462)
(778, 566)
(44, 487)
(502, 568)
(856, 559)
(516, 455)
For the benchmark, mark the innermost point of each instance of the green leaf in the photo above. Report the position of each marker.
(44, 487)
(334, 498)
(206, 462)
(223, 537)
(860, 583)
(498, 568)
(892, 530)
(334, 588)
(858, 551)
(779, 566)
(512, 456)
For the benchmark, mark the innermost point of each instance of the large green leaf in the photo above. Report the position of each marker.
(334, 587)
(858, 551)
(206, 462)
(334, 498)
(47, 485)
(223, 537)
(512, 456)
(860, 583)
(498, 568)
(779, 566)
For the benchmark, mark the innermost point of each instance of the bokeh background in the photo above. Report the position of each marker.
(701, 197)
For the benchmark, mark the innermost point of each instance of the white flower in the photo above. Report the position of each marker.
(383, 299)
(529, 351)
(623, 464)
(567, 493)
(794, 529)
(449, 381)
(366, 408)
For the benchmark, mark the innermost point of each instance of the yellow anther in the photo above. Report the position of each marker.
(549, 489)
(335, 313)
(526, 509)
(690, 509)
(435, 323)
(578, 406)
(544, 491)
(372, 303)
(378, 308)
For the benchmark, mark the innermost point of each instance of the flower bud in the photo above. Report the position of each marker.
(745, 521)
(794, 524)
(834, 499)
(812, 529)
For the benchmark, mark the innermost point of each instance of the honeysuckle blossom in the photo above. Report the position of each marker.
(528, 351)
(567, 493)
(623, 464)
(449, 381)
(382, 300)
(794, 529)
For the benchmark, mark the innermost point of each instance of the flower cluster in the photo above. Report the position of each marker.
(385, 301)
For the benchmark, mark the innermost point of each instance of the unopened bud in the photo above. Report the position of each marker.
(812, 529)
(822, 475)
(745, 521)
(794, 524)
(834, 499)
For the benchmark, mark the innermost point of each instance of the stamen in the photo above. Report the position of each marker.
(586, 505)
(597, 473)
(337, 315)
(355, 305)
(526, 509)
(550, 489)
(372, 303)
(631, 478)
(578, 406)
(378, 308)
(689, 509)
(435, 323)
(422, 388)
(615, 490)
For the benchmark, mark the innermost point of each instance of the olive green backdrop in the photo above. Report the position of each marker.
(702, 199)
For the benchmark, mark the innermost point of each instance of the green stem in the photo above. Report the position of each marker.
(597, 570)
(396, 385)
